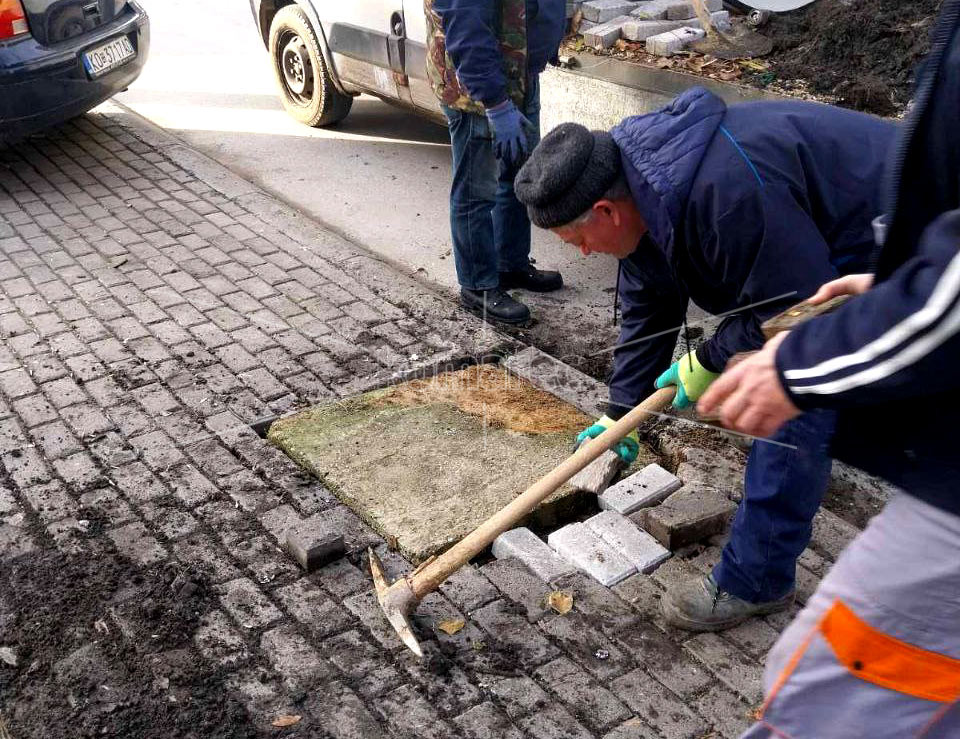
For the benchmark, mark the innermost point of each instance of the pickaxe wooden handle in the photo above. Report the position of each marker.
(400, 598)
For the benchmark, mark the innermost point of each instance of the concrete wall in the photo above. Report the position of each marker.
(600, 92)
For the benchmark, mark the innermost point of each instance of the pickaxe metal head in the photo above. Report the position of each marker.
(397, 601)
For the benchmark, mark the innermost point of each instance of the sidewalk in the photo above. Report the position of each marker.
(152, 306)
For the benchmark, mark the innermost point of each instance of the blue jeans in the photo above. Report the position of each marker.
(490, 227)
(783, 488)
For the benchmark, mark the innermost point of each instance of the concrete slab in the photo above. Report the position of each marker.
(578, 544)
(426, 461)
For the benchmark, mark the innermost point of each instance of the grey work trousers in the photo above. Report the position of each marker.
(876, 651)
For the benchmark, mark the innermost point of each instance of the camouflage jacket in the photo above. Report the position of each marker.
(511, 37)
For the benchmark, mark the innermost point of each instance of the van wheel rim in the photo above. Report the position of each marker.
(297, 70)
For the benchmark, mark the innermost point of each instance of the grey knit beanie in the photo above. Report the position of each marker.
(567, 173)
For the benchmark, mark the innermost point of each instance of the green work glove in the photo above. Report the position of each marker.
(690, 377)
(628, 448)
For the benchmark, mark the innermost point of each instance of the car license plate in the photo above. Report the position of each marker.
(111, 55)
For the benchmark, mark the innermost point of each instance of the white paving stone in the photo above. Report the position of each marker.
(530, 549)
(642, 550)
(580, 546)
(665, 44)
(601, 11)
(604, 35)
(642, 489)
(635, 29)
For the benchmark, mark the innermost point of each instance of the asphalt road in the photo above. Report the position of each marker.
(381, 177)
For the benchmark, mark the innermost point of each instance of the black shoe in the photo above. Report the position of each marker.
(532, 279)
(495, 305)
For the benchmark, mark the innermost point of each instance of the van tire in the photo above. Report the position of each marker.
(307, 90)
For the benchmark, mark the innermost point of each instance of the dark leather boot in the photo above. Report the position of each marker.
(495, 305)
(532, 279)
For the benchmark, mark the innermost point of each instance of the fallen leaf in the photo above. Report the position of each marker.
(561, 601)
(9, 656)
(283, 721)
(451, 626)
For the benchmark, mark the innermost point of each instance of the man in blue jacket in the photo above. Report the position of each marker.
(484, 58)
(744, 211)
(876, 651)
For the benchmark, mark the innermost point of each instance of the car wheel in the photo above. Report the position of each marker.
(306, 87)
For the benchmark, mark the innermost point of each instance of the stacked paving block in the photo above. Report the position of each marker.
(643, 518)
(665, 44)
(606, 21)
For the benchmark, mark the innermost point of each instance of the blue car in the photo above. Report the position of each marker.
(60, 58)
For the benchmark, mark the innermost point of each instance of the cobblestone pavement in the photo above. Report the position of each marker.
(151, 307)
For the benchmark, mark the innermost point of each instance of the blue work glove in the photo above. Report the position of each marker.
(628, 448)
(510, 129)
(691, 378)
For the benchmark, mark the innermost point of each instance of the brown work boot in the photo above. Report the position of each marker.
(700, 605)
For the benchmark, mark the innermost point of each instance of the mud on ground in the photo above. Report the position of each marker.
(103, 649)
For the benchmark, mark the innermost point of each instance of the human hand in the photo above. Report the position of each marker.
(510, 129)
(847, 285)
(628, 448)
(690, 377)
(749, 398)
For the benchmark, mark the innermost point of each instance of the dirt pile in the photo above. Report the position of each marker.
(860, 53)
(103, 649)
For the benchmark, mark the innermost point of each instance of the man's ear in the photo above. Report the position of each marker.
(608, 209)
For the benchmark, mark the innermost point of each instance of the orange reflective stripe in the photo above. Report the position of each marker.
(878, 658)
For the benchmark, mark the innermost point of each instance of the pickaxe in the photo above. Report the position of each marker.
(401, 598)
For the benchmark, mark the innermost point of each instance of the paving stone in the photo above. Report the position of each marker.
(666, 44)
(691, 514)
(730, 716)
(135, 542)
(49, 501)
(341, 579)
(248, 606)
(605, 35)
(596, 705)
(599, 603)
(452, 695)
(639, 30)
(586, 645)
(635, 544)
(738, 672)
(683, 10)
(313, 544)
(219, 641)
(553, 722)
(519, 584)
(313, 608)
(510, 631)
(580, 546)
(338, 712)
(645, 488)
(468, 589)
(559, 379)
(633, 728)
(642, 593)
(831, 534)
(595, 477)
(486, 721)
(107, 503)
(663, 659)
(755, 637)
(421, 721)
(518, 695)
(266, 562)
(601, 11)
(369, 667)
(660, 708)
(708, 467)
(533, 552)
(299, 664)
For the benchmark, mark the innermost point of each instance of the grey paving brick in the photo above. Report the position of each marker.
(663, 659)
(730, 716)
(604, 35)
(601, 11)
(34, 410)
(519, 695)
(634, 728)
(189, 485)
(367, 666)
(635, 544)
(645, 488)
(533, 552)
(587, 645)
(649, 700)
(299, 664)
(485, 721)
(55, 440)
(106, 503)
(642, 593)
(26, 467)
(468, 589)
(553, 722)
(208, 557)
(518, 583)
(510, 631)
(16, 384)
(598, 603)
(737, 671)
(50, 501)
(248, 606)
(314, 609)
(341, 579)
(134, 541)
(691, 514)
(596, 705)
(580, 546)
(137, 482)
(337, 711)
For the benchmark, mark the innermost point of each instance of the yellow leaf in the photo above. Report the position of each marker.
(451, 626)
(561, 601)
(283, 721)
